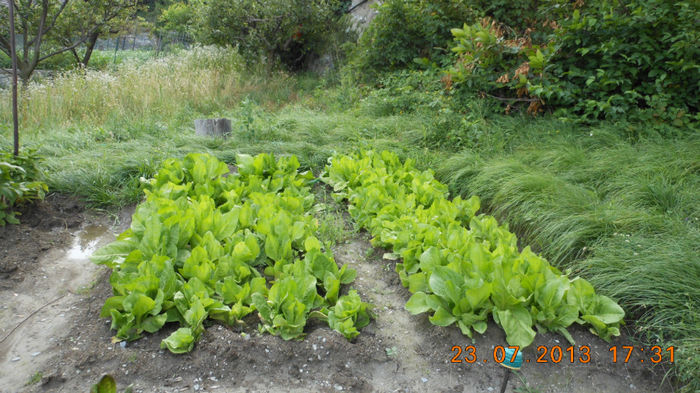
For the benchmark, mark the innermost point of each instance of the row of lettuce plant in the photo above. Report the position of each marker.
(459, 266)
(210, 244)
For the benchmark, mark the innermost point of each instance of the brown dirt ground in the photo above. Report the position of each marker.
(44, 225)
(66, 347)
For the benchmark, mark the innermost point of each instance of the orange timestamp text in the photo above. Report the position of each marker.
(555, 354)
(559, 354)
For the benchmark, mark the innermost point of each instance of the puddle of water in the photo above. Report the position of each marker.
(86, 241)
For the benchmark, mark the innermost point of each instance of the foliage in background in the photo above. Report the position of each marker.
(489, 64)
(268, 31)
(519, 16)
(178, 17)
(604, 59)
(404, 30)
(20, 181)
(50, 28)
(95, 19)
(614, 57)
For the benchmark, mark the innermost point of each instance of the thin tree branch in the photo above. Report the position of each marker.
(75, 45)
(39, 35)
(60, 10)
(4, 46)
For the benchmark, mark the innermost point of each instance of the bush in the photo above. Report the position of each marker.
(488, 63)
(613, 57)
(606, 59)
(444, 121)
(407, 29)
(519, 16)
(19, 182)
(277, 30)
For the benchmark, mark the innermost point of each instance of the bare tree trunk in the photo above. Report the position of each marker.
(25, 71)
(90, 45)
(13, 54)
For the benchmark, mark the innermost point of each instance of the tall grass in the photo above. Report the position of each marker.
(202, 80)
(624, 215)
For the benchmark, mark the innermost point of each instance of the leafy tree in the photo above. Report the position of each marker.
(176, 17)
(52, 27)
(98, 18)
(404, 30)
(286, 30)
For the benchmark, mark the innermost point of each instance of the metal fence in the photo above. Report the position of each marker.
(144, 41)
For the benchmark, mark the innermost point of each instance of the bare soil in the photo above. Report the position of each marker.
(66, 347)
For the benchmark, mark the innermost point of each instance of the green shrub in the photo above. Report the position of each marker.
(613, 57)
(18, 183)
(488, 63)
(519, 16)
(407, 29)
(278, 30)
(606, 59)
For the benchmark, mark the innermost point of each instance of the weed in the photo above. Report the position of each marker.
(36, 378)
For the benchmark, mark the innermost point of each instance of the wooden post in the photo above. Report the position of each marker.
(212, 127)
(13, 54)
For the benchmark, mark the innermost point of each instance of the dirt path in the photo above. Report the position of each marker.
(39, 309)
(66, 347)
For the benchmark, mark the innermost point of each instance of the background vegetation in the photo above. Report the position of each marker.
(604, 180)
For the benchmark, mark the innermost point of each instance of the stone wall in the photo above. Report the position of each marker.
(362, 13)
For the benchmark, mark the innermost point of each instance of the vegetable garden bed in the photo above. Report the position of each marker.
(203, 292)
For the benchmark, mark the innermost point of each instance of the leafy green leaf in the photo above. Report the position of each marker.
(180, 341)
(517, 324)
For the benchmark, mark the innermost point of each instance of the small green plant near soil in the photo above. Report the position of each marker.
(20, 181)
(205, 243)
(525, 387)
(462, 267)
(107, 384)
(35, 378)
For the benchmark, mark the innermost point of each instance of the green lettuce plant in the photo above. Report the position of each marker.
(207, 244)
(462, 267)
